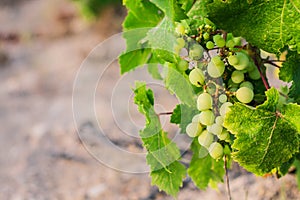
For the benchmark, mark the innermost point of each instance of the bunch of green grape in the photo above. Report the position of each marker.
(225, 71)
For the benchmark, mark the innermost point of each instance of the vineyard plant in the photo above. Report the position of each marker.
(213, 55)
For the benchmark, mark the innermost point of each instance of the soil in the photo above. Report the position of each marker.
(51, 149)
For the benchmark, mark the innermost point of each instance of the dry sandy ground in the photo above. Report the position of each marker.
(41, 154)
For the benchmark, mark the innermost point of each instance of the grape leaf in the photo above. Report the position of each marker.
(171, 9)
(290, 71)
(265, 139)
(162, 154)
(183, 115)
(269, 25)
(203, 168)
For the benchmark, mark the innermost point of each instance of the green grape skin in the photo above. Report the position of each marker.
(205, 139)
(204, 101)
(196, 77)
(196, 52)
(222, 98)
(207, 117)
(233, 60)
(180, 42)
(193, 129)
(237, 76)
(216, 129)
(254, 75)
(183, 65)
(219, 41)
(217, 61)
(223, 135)
(240, 61)
(225, 108)
(244, 94)
(247, 84)
(216, 37)
(196, 118)
(215, 69)
(219, 120)
(237, 41)
(180, 29)
(210, 45)
(206, 36)
(230, 44)
(216, 150)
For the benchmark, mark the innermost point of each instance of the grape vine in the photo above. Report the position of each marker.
(216, 66)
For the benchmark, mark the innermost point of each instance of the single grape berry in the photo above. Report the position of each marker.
(237, 76)
(210, 45)
(220, 120)
(216, 67)
(196, 119)
(219, 41)
(216, 150)
(216, 129)
(247, 84)
(205, 139)
(204, 101)
(222, 98)
(196, 52)
(223, 135)
(180, 29)
(193, 129)
(196, 77)
(254, 74)
(206, 36)
(183, 65)
(225, 107)
(244, 95)
(233, 60)
(230, 43)
(207, 117)
(180, 42)
(240, 61)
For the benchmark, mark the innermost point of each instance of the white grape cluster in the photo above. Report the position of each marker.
(214, 102)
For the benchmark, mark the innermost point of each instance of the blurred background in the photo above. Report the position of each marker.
(42, 46)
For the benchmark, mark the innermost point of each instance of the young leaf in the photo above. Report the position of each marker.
(269, 25)
(290, 71)
(203, 168)
(265, 139)
(166, 172)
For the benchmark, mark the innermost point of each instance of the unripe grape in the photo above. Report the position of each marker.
(230, 44)
(196, 52)
(233, 60)
(216, 150)
(196, 77)
(180, 29)
(205, 139)
(244, 95)
(210, 45)
(237, 76)
(216, 67)
(223, 98)
(225, 107)
(204, 101)
(223, 135)
(216, 129)
(196, 119)
(243, 61)
(180, 42)
(237, 41)
(219, 41)
(220, 120)
(254, 75)
(193, 129)
(247, 84)
(207, 117)
(183, 65)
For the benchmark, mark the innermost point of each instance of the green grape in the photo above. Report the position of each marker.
(183, 65)
(204, 101)
(216, 67)
(216, 129)
(237, 41)
(251, 67)
(196, 52)
(216, 150)
(254, 75)
(247, 84)
(237, 76)
(210, 45)
(230, 43)
(225, 107)
(219, 120)
(196, 119)
(240, 61)
(196, 77)
(205, 139)
(223, 135)
(219, 41)
(244, 95)
(223, 98)
(180, 42)
(207, 117)
(206, 36)
(180, 29)
(231, 84)
(193, 129)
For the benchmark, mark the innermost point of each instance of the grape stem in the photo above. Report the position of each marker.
(258, 64)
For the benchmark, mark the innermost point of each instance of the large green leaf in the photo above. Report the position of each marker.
(162, 154)
(270, 25)
(265, 138)
(290, 71)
